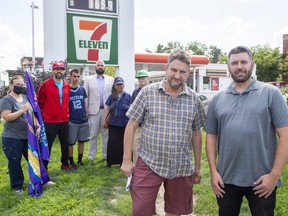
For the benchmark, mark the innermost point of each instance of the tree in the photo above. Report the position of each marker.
(148, 51)
(38, 77)
(214, 54)
(171, 46)
(283, 67)
(196, 48)
(268, 61)
(160, 48)
(223, 59)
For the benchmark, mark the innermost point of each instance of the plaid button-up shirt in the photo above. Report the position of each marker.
(167, 128)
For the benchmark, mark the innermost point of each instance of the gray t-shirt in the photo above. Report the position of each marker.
(18, 128)
(245, 125)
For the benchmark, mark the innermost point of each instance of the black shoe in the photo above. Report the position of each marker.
(80, 163)
(73, 165)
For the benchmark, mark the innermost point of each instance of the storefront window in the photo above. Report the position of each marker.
(206, 83)
(214, 84)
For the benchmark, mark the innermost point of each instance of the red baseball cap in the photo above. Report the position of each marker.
(58, 65)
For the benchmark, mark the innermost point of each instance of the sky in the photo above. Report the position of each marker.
(221, 23)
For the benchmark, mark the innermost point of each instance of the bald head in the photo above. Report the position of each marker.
(100, 67)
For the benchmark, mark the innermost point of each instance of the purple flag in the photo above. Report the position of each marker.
(37, 146)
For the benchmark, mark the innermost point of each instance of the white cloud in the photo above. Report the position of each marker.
(234, 26)
(11, 46)
(278, 38)
(150, 32)
(14, 46)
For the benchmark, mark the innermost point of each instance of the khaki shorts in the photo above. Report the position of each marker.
(145, 186)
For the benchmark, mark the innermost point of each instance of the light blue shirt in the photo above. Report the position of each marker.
(100, 81)
(60, 86)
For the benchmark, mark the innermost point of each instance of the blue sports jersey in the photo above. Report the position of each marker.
(77, 105)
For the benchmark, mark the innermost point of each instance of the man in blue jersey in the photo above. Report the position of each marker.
(78, 122)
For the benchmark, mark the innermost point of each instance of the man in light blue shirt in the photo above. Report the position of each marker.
(98, 88)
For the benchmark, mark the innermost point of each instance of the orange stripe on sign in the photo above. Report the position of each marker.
(88, 25)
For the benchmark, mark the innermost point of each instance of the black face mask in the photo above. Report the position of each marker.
(19, 89)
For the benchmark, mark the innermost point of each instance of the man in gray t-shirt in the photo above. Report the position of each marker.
(242, 125)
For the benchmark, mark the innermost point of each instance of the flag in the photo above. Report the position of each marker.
(37, 146)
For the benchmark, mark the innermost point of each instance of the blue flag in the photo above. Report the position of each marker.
(37, 146)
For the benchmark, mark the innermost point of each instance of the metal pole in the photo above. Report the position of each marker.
(33, 40)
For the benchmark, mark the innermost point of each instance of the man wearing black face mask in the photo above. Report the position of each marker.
(53, 98)
(98, 88)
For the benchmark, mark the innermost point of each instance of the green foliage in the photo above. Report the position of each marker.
(283, 67)
(271, 64)
(268, 61)
(110, 71)
(214, 54)
(39, 76)
(160, 48)
(89, 190)
(223, 59)
(196, 48)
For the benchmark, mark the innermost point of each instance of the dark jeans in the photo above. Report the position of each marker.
(62, 130)
(13, 149)
(230, 204)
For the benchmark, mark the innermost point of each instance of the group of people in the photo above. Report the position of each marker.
(246, 133)
(246, 141)
(70, 111)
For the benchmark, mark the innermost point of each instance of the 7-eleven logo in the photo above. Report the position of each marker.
(92, 38)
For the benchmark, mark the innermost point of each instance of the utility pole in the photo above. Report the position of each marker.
(33, 39)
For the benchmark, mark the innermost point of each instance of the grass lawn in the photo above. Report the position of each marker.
(97, 190)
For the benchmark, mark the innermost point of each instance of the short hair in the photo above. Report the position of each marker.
(180, 55)
(15, 77)
(74, 71)
(240, 49)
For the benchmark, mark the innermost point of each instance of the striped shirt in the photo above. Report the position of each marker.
(167, 128)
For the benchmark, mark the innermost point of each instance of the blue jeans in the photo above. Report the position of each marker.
(13, 150)
(230, 204)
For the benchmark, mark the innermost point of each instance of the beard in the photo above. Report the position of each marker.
(100, 71)
(242, 79)
(58, 75)
(174, 85)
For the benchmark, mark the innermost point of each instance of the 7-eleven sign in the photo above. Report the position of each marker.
(91, 38)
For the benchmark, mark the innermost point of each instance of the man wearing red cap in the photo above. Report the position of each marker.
(53, 98)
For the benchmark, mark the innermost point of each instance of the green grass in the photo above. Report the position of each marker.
(97, 190)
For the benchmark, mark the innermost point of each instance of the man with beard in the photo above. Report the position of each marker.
(98, 87)
(171, 116)
(53, 98)
(242, 126)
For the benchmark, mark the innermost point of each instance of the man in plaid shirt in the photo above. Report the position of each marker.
(171, 116)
